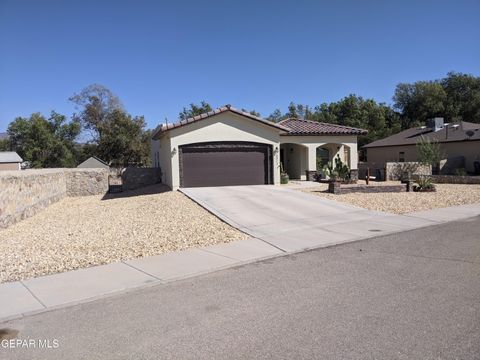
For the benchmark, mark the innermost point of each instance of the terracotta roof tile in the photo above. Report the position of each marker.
(308, 127)
(163, 128)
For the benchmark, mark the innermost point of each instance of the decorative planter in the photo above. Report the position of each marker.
(284, 178)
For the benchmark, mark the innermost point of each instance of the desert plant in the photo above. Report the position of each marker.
(340, 171)
(424, 184)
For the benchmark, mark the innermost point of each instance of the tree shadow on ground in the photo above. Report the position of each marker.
(146, 190)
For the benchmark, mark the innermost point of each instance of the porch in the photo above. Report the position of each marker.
(302, 159)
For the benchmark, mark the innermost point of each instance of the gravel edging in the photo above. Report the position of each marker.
(405, 202)
(94, 230)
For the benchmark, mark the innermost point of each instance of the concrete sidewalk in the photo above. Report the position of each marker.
(49, 292)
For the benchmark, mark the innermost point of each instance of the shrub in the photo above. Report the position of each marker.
(424, 184)
(460, 172)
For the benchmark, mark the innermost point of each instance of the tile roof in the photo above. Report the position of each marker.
(449, 133)
(288, 126)
(308, 127)
(9, 157)
(163, 128)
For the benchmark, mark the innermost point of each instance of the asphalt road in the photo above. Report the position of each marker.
(414, 295)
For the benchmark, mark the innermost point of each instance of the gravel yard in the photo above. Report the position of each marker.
(407, 202)
(85, 231)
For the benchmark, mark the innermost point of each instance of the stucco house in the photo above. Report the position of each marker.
(228, 146)
(457, 141)
(10, 160)
(93, 163)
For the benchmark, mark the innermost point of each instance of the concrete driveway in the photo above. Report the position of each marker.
(292, 220)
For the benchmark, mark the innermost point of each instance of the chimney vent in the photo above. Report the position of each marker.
(436, 123)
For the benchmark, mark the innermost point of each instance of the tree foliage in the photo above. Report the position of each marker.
(194, 110)
(455, 98)
(429, 151)
(117, 137)
(353, 111)
(44, 143)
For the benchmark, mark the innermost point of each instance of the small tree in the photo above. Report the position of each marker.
(429, 152)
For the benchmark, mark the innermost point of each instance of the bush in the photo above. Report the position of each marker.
(460, 172)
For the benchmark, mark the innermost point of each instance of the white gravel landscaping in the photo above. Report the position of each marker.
(85, 231)
(406, 202)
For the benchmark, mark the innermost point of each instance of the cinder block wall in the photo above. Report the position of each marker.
(24, 193)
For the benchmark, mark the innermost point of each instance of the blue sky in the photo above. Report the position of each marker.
(159, 56)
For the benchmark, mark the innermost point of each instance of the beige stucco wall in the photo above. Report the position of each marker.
(223, 127)
(9, 166)
(377, 157)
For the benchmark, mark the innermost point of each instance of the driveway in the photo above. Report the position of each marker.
(292, 220)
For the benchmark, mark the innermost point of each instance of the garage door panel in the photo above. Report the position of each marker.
(224, 164)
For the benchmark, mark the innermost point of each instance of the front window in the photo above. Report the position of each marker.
(401, 156)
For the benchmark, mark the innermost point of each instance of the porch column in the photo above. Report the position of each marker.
(353, 156)
(311, 172)
(312, 158)
(353, 161)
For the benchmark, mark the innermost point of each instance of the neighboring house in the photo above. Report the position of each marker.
(456, 140)
(231, 147)
(93, 163)
(10, 160)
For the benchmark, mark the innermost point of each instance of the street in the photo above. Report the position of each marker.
(411, 295)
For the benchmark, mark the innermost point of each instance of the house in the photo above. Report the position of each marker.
(10, 160)
(93, 163)
(457, 141)
(228, 146)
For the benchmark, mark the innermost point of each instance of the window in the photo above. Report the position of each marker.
(401, 156)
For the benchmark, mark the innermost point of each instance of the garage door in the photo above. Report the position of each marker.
(225, 163)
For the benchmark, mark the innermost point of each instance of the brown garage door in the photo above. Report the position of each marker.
(225, 163)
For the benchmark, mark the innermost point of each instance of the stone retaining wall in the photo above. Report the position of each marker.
(24, 193)
(454, 179)
(339, 188)
(134, 178)
(396, 170)
(84, 182)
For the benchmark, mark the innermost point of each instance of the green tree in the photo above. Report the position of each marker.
(463, 97)
(116, 136)
(429, 152)
(252, 112)
(419, 102)
(275, 116)
(45, 143)
(195, 110)
(123, 140)
(95, 103)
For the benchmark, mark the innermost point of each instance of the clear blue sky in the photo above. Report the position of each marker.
(159, 56)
